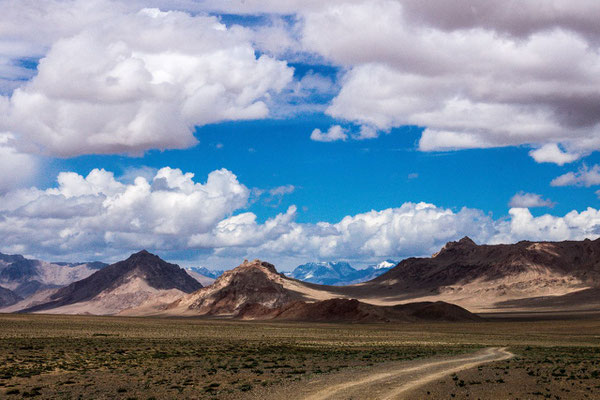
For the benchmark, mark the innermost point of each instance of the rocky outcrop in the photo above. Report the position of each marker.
(254, 282)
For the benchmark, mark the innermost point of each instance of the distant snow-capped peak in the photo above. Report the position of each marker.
(385, 264)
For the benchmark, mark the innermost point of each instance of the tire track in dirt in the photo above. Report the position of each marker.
(393, 384)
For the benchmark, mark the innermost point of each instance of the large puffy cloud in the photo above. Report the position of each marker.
(99, 216)
(522, 225)
(141, 80)
(473, 74)
(409, 230)
(480, 75)
(97, 212)
(243, 231)
(413, 228)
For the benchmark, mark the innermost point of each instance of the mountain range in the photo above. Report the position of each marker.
(125, 284)
(25, 276)
(338, 273)
(488, 278)
(256, 291)
(526, 276)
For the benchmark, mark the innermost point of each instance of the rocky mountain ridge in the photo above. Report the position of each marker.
(125, 284)
(255, 290)
(486, 277)
(526, 276)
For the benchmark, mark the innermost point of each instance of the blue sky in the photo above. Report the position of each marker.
(308, 140)
(344, 178)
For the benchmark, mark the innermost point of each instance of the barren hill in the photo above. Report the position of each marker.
(125, 284)
(490, 277)
(352, 310)
(255, 290)
(203, 279)
(254, 282)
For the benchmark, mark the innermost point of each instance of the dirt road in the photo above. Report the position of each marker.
(394, 381)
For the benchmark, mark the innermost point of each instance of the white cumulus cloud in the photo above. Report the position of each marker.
(409, 230)
(585, 176)
(100, 216)
(474, 75)
(333, 134)
(522, 225)
(140, 80)
(551, 153)
(97, 211)
(529, 200)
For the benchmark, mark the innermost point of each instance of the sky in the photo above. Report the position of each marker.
(357, 130)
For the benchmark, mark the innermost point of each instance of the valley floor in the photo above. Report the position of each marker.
(68, 357)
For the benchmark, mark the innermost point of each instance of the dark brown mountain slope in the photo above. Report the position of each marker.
(485, 277)
(352, 310)
(253, 282)
(466, 261)
(255, 290)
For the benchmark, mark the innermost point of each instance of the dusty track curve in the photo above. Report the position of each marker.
(393, 384)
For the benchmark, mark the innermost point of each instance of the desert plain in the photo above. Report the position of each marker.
(104, 357)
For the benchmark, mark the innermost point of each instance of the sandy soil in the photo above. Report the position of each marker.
(389, 381)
